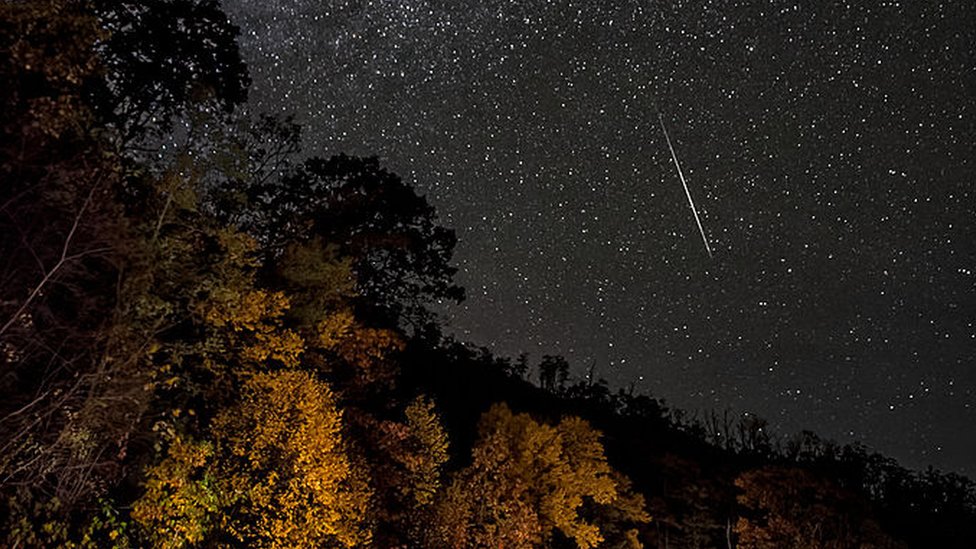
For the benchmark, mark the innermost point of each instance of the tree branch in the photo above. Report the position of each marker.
(65, 258)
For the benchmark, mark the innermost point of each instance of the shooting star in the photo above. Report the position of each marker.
(685, 185)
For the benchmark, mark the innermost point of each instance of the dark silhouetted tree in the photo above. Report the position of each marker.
(161, 57)
(401, 256)
(553, 373)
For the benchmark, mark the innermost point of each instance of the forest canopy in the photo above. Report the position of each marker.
(209, 340)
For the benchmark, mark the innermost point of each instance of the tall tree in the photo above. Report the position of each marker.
(78, 321)
(285, 471)
(406, 459)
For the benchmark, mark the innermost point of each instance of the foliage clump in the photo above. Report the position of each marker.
(527, 481)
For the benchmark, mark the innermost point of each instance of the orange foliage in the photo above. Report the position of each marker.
(526, 481)
(284, 470)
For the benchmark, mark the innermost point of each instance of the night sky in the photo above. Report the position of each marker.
(829, 147)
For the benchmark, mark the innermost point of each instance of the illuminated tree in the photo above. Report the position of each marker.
(429, 444)
(283, 470)
(180, 503)
(405, 458)
(322, 289)
(277, 473)
(217, 324)
(527, 482)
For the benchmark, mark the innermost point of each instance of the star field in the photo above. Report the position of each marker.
(829, 148)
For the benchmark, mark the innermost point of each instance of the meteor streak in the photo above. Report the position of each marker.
(685, 185)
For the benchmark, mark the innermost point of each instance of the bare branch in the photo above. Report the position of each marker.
(64, 259)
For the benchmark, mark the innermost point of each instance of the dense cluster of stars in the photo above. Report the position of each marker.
(829, 145)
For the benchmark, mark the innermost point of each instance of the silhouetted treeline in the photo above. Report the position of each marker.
(701, 473)
(205, 341)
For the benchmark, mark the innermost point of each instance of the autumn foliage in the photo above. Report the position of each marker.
(207, 343)
(528, 481)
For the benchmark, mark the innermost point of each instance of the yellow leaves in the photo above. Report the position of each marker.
(289, 407)
(152, 349)
(618, 518)
(287, 474)
(285, 346)
(530, 479)
(425, 424)
(584, 455)
(253, 316)
(366, 350)
(239, 248)
(431, 445)
(256, 315)
(335, 328)
(245, 310)
(277, 474)
(179, 500)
